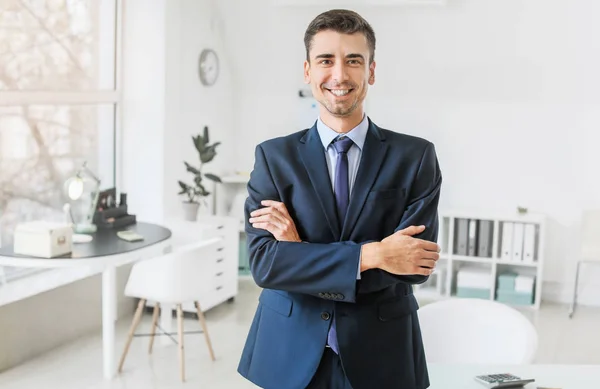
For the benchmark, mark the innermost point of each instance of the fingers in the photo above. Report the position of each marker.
(277, 205)
(412, 230)
(264, 211)
(429, 246)
(272, 218)
(432, 255)
(428, 263)
(423, 271)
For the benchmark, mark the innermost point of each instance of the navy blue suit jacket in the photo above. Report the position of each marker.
(397, 185)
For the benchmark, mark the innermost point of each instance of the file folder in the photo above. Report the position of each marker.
(518, 235)
(529, 245)
(472, 243)
(485, 239)
(507, 236)
(461, 235)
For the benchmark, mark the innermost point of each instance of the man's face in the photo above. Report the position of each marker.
(339, 72)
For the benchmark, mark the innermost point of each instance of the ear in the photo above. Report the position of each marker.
(372, 73)
(306, 72)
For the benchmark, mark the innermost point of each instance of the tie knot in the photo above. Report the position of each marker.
(342, 144)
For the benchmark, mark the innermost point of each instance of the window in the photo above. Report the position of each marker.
(59, 103)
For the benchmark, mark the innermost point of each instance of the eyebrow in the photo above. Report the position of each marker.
(352, 55)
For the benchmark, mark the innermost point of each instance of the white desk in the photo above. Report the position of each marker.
(447, 376)
(107, 265)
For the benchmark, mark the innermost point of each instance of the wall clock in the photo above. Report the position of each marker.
(208, 67)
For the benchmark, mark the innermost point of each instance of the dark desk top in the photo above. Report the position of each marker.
(106, 242)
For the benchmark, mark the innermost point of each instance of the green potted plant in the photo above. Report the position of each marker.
(196, 192)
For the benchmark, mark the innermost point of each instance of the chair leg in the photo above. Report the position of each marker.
(136, 321)
(574, 302)
(181, 355)
(153, 329)
(205, 330)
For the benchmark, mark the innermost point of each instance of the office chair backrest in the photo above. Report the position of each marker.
(178, 277)
(476, 331)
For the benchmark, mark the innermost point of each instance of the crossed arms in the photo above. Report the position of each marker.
(279, 260)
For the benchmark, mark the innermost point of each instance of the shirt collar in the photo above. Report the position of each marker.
(358, 134)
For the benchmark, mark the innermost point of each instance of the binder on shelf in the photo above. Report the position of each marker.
(461, 227)
(507, 236)
(517, 246)
(529, 245)
(485, 238)
(472, 241)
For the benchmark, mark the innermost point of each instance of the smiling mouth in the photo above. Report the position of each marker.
(340, 92)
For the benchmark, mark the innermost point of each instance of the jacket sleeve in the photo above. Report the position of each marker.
(421, 210)
(309, 268)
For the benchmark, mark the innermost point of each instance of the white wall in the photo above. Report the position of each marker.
(165, 103)
(193, 26)
(507, 90)
(143, 117)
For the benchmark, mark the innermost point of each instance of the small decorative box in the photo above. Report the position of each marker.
(43, 239)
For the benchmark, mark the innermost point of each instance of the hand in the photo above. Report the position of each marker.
(402, 254)
(275, 219)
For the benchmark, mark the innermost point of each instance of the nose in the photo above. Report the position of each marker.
(339, 72)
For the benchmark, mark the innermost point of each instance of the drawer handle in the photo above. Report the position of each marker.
(219, 274)
(220, 260)
(219, 287)
(220, 227)
(220, 249)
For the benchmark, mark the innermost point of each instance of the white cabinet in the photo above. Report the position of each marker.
(220, 274)
(494, 256)
(230, 196)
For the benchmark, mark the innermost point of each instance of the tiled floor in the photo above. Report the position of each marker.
(79, 365)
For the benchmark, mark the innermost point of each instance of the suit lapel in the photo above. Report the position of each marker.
(313, 156)
(371, 160)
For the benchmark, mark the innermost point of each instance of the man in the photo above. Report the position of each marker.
(339, 228)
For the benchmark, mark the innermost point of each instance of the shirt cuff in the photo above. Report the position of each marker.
(359, 261)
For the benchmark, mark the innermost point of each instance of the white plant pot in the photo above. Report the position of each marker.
(190, 211)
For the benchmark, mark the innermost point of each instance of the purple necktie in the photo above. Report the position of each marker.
(342, 197)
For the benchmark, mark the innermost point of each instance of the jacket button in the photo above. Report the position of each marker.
(321, 294)
(325, 315)
(340, 296)
(327, 295)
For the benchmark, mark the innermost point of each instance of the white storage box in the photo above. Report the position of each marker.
(43, 239)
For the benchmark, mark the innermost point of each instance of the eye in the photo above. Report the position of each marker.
(354, 62)
(325, 62)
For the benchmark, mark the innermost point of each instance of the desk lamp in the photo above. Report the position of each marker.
(82, 190)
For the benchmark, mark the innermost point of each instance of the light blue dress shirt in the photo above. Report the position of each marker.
(358, 135)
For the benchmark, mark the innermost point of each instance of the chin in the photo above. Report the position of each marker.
(342, 111)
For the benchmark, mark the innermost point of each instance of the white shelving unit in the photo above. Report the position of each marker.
(442, 284)
(230, 195)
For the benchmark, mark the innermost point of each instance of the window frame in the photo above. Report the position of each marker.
(98, 96)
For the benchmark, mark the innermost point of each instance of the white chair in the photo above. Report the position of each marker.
(175, 278)
(589, 249)
(476, 331)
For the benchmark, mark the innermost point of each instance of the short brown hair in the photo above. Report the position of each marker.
(342, 21)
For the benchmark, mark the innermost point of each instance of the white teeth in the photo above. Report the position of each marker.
(340, 92)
